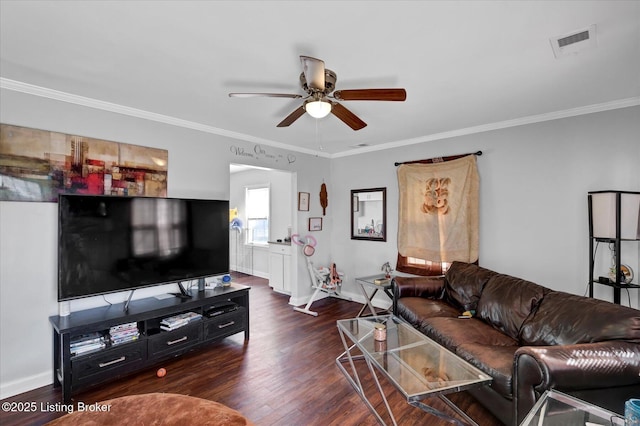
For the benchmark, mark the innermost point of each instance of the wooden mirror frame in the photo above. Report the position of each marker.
(355, 207)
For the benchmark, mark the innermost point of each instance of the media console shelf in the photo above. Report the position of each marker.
(154, 344)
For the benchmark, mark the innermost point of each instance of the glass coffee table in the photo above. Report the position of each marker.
(417, 366)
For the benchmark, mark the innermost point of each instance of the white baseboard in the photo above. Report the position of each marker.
(25, 384)
(355, 297)
(358, 297)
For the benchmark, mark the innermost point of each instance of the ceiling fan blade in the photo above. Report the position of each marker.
(371, 95)
(264, 95)
(349, 118)
(313, 72)
(292, 117)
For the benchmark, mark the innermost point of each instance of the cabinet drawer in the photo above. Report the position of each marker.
(226, 324)
(176, 341)
(121, 358)
(280, 249)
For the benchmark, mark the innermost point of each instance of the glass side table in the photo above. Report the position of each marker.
(558, 409)
(375, 282)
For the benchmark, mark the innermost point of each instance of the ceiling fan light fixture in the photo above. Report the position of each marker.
(319, 83)
(318, 109)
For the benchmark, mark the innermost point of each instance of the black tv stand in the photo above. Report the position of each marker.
(181, 296)
(74, 372)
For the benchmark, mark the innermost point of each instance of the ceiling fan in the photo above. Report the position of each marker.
(319, 84)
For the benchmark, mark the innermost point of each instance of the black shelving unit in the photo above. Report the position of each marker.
(617, 239)
(154, 345)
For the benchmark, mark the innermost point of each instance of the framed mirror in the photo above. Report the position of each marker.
(369, 214)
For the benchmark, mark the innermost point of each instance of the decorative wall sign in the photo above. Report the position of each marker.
(260, 153)
(37, 165)
(315, 224)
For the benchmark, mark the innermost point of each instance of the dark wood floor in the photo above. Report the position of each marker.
(284, 375)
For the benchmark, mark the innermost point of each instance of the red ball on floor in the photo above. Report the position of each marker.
(161, 372)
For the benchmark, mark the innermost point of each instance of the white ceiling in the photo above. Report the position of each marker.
(466, 65)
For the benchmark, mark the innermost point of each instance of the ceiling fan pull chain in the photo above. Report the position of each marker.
(320, 147)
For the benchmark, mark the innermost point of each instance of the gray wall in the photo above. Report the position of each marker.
(533, 220)
(198, 168)
(534, 181)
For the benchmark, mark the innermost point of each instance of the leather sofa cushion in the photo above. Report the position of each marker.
(496, 361)
(464, 283)
(565, 319)
(507, 301)
(415, 309)
(453, 332)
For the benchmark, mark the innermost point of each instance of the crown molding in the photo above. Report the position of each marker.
(44, 92)
(556, 115)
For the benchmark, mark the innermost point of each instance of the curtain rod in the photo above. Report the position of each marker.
(440, 159)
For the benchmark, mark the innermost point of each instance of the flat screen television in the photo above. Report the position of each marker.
(109, 244)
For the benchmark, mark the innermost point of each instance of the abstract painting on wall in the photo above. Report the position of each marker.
(37, 165)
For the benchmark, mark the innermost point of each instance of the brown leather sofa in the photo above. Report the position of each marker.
(527, 337)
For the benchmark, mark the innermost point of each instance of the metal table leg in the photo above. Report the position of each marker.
(355, 379)
(367, 300)
(435, 412)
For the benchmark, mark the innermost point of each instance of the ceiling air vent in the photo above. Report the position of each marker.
(574, 38)
(575, 42)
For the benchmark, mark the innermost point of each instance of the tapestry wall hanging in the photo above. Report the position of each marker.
(438, 210)
(37, 165)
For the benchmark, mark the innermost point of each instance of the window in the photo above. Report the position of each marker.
(257, 206)
(417, 266)
(438, 214)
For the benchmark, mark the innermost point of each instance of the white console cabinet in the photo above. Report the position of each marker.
(280, 267)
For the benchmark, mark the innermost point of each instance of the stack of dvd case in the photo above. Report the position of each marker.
(124, 333)
(87, 343)
(177, 321)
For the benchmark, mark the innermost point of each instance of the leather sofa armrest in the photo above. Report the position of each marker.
(607, 364)
(428, 287)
